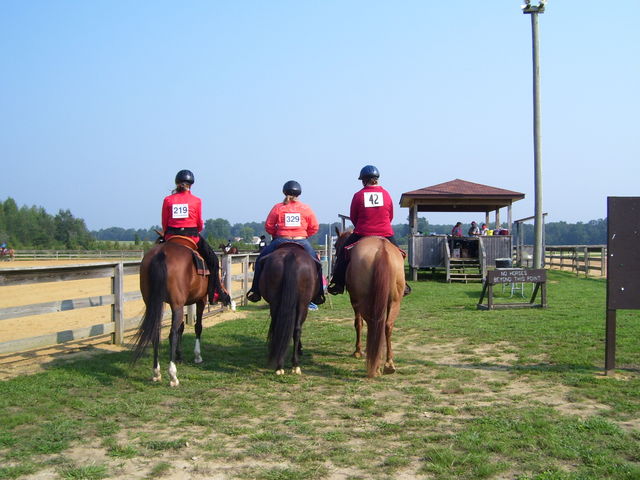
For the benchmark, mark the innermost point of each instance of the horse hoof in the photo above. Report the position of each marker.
(198, 360)
(280, 371)
(389, 368)
(296, 371)
(174, 383)
(156, 379)
(357, 354)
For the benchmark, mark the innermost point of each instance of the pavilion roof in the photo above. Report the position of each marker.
(459, 196)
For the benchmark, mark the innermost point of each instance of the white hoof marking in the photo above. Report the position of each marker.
(280, 371)
(173, 375)
(157, 376)
(296, 371)
(196, 352)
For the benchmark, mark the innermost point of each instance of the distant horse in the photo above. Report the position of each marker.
(168, 274)
(228, 249)
(288, 282)
(7, 254)
(375, 282)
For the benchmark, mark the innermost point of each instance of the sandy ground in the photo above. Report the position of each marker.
(24, 327)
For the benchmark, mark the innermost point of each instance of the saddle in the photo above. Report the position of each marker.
(201, 265)
(348, 248)
(315, 259)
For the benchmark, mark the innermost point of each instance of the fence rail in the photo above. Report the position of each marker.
(114, 255)
(118, 326)
(587, 259)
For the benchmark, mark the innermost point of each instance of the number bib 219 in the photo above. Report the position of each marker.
(180, 210)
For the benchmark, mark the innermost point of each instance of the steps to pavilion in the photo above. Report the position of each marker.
(464, 270)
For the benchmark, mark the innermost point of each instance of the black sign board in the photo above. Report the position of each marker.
(514, 275)
(623, 266)
(623, 252)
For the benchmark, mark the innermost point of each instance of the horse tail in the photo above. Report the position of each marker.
(378, 310)
(283, 320)
(152, 318)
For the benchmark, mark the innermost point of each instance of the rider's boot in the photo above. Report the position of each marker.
(336, 285)
(253, 295)
(211, 260)
(319, 297)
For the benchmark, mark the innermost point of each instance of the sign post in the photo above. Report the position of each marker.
(501, 276)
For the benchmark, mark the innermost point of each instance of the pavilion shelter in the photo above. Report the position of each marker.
(438, 251)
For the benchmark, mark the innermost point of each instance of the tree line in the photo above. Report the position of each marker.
(33, 228)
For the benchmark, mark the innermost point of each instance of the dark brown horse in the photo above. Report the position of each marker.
(168, 274)
(288, 282)
(375, 282)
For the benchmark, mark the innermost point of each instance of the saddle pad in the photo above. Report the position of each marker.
(349, 247)
(184, 241)
(315, 259)
(201, 265)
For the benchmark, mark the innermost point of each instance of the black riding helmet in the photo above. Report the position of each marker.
(369, 171)
(292, 188)
(185, 176)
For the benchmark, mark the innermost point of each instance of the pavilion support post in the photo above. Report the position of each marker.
(413, 221)
(486, 218)
(498, 218)
(509, 221)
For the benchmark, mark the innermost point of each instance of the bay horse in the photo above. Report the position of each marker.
(169, 274)
(288, 282)
(375, 282)
(228, 249)
(7, 254)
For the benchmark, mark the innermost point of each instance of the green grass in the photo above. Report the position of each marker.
(478, 394)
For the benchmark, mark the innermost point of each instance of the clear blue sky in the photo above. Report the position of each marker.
(104, 101)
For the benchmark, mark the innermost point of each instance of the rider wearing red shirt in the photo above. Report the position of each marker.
(182, 215)
(289, 221)
(371, 214)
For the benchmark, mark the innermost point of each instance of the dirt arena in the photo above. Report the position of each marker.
(25, 327)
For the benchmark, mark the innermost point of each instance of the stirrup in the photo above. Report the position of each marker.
(335, 289)
(319, 299)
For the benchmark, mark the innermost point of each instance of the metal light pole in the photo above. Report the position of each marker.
(538, 252)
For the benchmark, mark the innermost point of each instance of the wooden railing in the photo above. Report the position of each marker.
(118, 326)
(587, 259)
(114, 255)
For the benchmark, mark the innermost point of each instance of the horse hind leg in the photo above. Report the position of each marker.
(177, 326)
(197, 356)
(357, 323)
(157, 376)
(389, 366)
(297, 350)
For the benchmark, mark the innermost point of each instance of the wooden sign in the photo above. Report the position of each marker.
(501, 276)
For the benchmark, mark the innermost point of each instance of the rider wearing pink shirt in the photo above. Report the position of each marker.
(289, 221)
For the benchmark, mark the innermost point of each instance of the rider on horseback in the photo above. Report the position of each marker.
(289, 221)
(182, 215)
(371, 214)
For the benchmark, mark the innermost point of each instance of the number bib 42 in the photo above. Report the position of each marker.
(180, 210)
(373, 199)
(292, 220)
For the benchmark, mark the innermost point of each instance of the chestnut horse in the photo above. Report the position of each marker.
(168, 274)
(375, 282)
(288, 282)
(7, 254)
(228, 249)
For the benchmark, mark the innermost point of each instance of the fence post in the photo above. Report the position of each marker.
(245, 280)
(227, 274)
(117, 309)
(586, 261)
(603, 261)
(191, 314)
